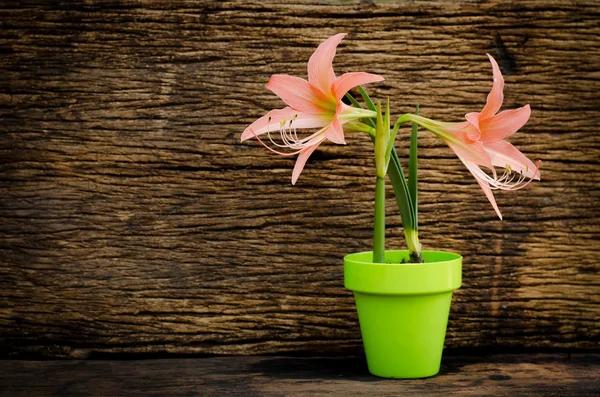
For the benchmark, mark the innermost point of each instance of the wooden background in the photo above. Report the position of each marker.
(135, 222)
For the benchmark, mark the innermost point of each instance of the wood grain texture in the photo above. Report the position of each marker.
(134, 221)
(500, 375)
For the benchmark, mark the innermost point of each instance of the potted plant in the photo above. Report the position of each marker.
(402, 296)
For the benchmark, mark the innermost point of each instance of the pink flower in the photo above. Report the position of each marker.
(316, 103)
(480, 142)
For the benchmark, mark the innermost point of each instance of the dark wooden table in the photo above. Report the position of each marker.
(496, 375)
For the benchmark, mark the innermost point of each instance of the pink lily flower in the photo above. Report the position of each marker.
(316, 103)
(480, 142)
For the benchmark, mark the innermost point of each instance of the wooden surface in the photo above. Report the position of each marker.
(135, 222)
(496, 376)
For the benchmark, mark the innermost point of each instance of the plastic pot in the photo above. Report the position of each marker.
(403, 309)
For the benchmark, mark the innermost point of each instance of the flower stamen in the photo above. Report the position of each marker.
(289, 138)
(506, 181)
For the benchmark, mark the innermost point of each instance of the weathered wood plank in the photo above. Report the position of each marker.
(134, 221)
(501, 375)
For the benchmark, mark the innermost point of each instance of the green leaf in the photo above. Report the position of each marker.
(392, 139)
(400, 190)
(367, 99)
(413, 164)
(353, 101)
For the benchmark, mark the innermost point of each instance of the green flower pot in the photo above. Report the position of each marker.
(403, 309)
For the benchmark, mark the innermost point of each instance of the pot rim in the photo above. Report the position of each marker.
(442, 274)
(405, 255)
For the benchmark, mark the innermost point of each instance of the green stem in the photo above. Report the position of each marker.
(379, 222)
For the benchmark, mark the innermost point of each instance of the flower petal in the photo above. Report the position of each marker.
(490, 195)
(296, 92)
(478, 173)
(272, 121)
(472, 152)
(496, 95)
(320, 68)
(505, 154)
(348, 81)
(301, 161)
(504, 124)
(335, 132)
(473, 131)
(473, 118)
(456, 136)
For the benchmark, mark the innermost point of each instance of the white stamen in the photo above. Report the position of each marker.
(505, 182)
(289, 135)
